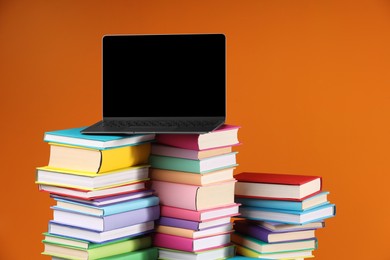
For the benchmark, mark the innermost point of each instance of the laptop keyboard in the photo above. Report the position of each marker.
(160, 123)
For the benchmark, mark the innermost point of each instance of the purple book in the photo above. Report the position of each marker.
(106, 223)
(250, 229)
(193, 225)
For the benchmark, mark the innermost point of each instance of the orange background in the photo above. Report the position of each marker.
(308, 81)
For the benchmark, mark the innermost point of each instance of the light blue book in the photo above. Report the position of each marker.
(308, 203)
(205, 165)
(315, 214)
(84, 208)
(73, 136)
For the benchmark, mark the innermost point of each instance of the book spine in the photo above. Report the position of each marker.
(131, 205)
(276, 204)
(253, 231)
(189, 141)
(173, 212)
(173, 242)
(176, 195)
(179, 223)
(174, 163)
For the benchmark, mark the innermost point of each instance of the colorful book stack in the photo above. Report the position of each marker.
(279, 215)
(104, 208)
(193, 175)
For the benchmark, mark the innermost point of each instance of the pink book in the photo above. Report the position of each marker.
(226, 135)
(230, 210)
(190, 244)
(194, 197)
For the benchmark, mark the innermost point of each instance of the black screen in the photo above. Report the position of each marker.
(164, 75)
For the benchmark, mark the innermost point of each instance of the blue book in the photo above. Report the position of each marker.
(73, 136)
(308, 203)
(85, 208)
(204, 165)
(289, 216)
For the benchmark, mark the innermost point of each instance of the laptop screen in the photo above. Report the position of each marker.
(168, 75)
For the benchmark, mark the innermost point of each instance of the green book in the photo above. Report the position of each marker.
(204, 165)
(65, 247)
(150, 253)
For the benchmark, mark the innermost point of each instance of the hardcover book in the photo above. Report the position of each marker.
(90, 160)
(282, 227)
(193, 225)
(205, 165)
(299, 254)
(83, 180)
(106, 223)
(225, 252)
(73, 136)
(194, 197)
(140, 229)
(65, 247)
(192, 178)
(228, 210)
(190, 233)
(256, 231)
(276, 186)
(189, 244)
(226, 135)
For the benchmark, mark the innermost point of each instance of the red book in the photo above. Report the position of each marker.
(276, 185)
(226, 135)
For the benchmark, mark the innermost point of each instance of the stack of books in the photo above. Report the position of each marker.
(193, 175)
(103, 206)
(279, 215)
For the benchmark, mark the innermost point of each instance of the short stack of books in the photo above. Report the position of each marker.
(279, 215)
(193, 175)
(104, 209)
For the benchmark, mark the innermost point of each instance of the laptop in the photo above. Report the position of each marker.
(162, 83)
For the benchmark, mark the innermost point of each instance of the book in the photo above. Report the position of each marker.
(74, 248)
(256, 231)
(299, 254)
(107, 210)
(225, 252)
(108, 200)
(193, 225)
(143, 228)
(228, 210)
(205, 165)
(80, 180)
(150, 253)
(264, 247)
(289, 216)
(73, 136)
(226, 135)
(166, 150)
(194, 197)
(189, 244)
(191, 178)
(95, 193)
(105, 223)
(85, 159)
(276, 185)
(307, 203)
(190, 233)
(282, 227)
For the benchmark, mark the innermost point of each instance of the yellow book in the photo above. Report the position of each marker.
(91, 160)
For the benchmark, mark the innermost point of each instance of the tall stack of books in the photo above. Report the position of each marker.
(103, 206)
(193, 175)
(279, 215)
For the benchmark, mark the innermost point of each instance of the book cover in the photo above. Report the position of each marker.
(105, 223)
(109, 209)
(97, 161)
(307, 203)
(150, 253)
(73, 136)
(282, 227)
(277, 185)
(256, 231)
(166, 150)
(189, 244)
(193, 225)
(81, 180)
(64, 247)
(224, 252)
(299, 254)
(229, 210)
(190, 233)
(192, 178)
(289, 216)
(94, 236)
(195, 166)
(194, 197)
(224, 136)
